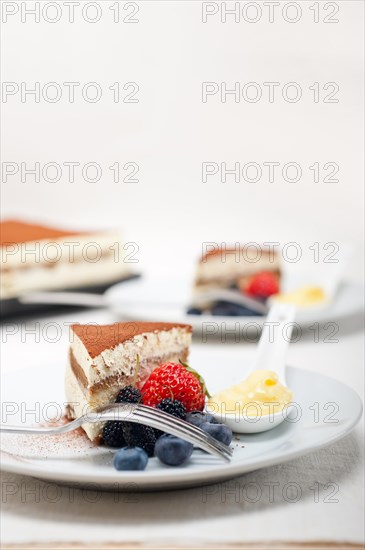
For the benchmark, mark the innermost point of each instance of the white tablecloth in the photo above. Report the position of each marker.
(329, 507)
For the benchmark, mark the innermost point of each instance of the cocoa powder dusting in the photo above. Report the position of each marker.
(58, 446)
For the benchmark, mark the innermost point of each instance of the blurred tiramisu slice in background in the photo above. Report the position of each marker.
(38, 257)
(235, 266)
(250, 270)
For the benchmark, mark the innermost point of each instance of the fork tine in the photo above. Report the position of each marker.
(161, 420)
(167, 417)
(183, 425)
(153, 413)
(204, 441)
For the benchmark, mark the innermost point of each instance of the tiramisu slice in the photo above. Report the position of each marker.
(37, 257)
(252, 270)
(102, 360)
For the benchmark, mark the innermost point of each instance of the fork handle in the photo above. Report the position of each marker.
(189, 433)
(69, 427)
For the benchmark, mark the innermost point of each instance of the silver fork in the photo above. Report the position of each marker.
(140, 414)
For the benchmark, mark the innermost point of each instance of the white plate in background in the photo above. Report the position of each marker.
(150, 300)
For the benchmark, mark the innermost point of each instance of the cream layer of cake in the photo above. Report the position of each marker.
(102, 360)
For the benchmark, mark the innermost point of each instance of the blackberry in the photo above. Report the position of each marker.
(129, 394)
(113, 429)
(173, 407)
(113, 434)
(137, 435)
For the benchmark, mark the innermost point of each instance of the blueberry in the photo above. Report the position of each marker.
(198, 417)
(227, 309)
(194, 311)
(172, 450)
(130, 458)
(219, 431)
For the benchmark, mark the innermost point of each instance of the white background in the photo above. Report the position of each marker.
(170, 132)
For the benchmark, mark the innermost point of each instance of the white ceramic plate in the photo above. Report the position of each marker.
(147, 300)
(71, 459)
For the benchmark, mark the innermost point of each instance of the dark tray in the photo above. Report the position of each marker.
(13, 309)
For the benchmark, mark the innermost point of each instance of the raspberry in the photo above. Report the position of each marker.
(171, 378)
(263, 285)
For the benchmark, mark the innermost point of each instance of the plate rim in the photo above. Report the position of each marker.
(196, 477)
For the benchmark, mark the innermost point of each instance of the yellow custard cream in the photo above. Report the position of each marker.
(259, 394)
(306, 296)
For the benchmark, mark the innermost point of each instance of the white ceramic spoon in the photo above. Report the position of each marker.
(271, 355)
(326, 276)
